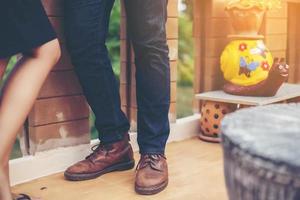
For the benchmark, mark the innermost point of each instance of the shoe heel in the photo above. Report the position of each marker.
(126, 166)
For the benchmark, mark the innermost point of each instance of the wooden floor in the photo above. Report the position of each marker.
(196, 173)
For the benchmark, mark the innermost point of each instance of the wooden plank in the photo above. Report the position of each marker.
(281, 13)
(133, 99)
(173, 8)
(123, 94)
(123, 51)
(172, 28)
(215, 46)
(173, 69)
(133, 72)
(60, 83)
(287, 91)
(53, 110)
(173, 92)
(53, 7)
(123, 73)
(173, 49)
(213, 82)
(276, 26)
(133, 119)
(123, 28)
(218, 27)
(58, 25)
(216, 8)
(59, 135)
(276, 42)
(172, 113)
(201, 164)
(64, 62)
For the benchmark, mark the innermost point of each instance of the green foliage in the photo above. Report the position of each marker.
(189, 7)
(184, 104)
(113, 40)
(186, 50)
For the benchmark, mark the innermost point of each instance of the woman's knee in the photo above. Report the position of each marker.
(49, 52)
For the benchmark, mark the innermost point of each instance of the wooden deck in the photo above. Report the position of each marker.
(196, 173)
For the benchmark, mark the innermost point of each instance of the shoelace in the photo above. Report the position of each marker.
(150, 160)
(96, 149)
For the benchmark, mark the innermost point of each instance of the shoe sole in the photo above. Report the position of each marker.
(117, 167)
(151, 190)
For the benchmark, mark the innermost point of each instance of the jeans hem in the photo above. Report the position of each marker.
(152, 151)
(111, 137)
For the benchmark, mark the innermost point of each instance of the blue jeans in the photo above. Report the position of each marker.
(86, 28)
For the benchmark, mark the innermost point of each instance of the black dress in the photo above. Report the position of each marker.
(23, 26)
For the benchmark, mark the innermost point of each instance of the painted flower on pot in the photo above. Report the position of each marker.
(265, 66)
(243, 47)
(260, 49)
(261, 4)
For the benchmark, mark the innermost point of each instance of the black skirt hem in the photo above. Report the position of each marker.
(24, 26)
(8, 55)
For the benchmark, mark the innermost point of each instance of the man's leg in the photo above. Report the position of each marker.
(147, 20)
(86, 26)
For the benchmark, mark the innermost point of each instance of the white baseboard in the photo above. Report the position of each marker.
(54, 161)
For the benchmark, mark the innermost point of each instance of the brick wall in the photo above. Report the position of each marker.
(60, 114)
(127, 78)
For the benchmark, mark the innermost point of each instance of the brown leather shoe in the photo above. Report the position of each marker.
(151, 174)
(105, 158)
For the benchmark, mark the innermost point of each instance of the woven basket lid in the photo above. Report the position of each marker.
(269, 132)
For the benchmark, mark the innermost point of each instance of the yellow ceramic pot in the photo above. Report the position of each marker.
(246, 62)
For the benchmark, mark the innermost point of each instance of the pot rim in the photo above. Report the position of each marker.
(239, 6)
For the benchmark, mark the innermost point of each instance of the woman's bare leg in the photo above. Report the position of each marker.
(19, 94)
(4, 189)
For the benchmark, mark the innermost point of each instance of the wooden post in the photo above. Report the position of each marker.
(127, 79)
(209, 19)
(60, 115)
(294, 41)
(275, 31)
(211, 27)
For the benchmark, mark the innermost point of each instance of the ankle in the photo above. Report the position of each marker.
(5, 193)
(124, 138)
